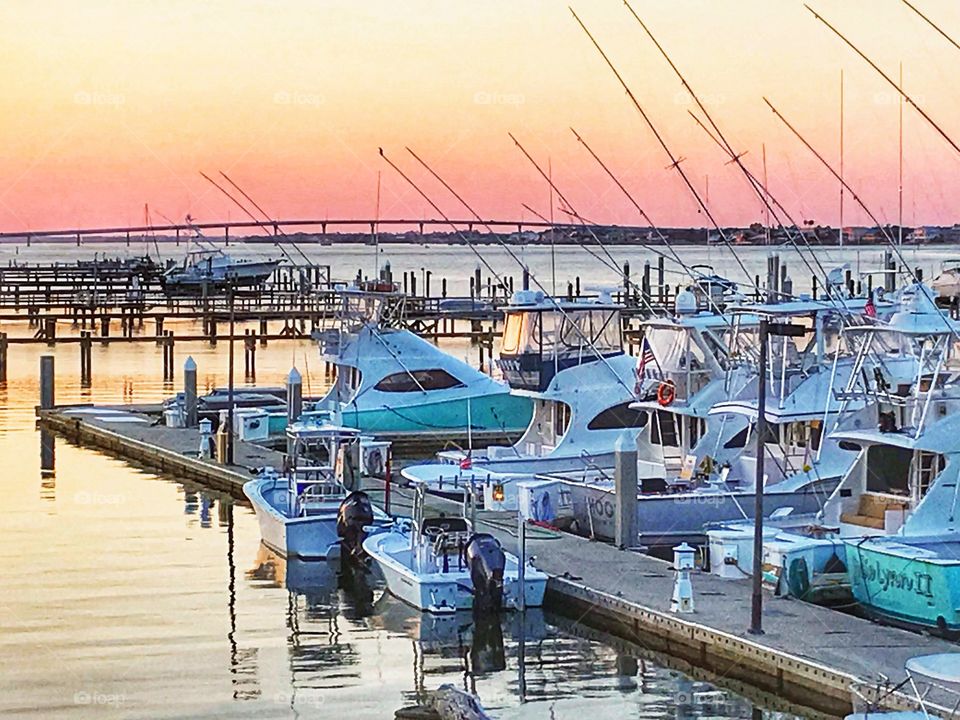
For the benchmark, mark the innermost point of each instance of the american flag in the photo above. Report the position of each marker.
(646, 357)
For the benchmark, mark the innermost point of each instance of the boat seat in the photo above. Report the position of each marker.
(871, 510)
(448, 525)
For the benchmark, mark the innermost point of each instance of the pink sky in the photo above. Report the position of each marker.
(108, 105)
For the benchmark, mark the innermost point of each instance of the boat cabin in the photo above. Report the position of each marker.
(543, 336)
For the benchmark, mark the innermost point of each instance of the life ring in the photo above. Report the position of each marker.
(666, 393)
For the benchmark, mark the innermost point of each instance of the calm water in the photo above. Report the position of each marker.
(129, 594)
(456, 263)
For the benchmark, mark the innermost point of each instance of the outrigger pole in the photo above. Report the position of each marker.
(674, 161)
(932, 24)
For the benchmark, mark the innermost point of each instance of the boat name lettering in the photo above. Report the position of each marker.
(918, 582)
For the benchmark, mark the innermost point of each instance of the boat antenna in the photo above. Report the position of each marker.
(932, 24)
(674, 161)
(553, 246)
(264, 213)
(871, 63)
(376, 233)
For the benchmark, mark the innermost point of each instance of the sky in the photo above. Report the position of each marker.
(111, 105)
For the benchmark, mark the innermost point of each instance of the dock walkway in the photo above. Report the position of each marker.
(808, 654)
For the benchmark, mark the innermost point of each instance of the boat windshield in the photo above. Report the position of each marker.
(550, 333)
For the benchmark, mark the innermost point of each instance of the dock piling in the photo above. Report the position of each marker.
(86, 358)
(625, 487)
(47, 377)
(190, 391)
(3, 357)
(294, 396)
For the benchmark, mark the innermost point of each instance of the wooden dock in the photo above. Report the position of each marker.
(808, 655)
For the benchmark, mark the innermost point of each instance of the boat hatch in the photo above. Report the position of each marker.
(540, 341)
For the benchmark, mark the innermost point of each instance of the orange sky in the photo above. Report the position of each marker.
(109, 104)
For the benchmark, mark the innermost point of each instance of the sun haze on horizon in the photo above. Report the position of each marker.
(110, 105)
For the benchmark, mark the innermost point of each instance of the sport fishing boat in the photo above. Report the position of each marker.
(211, 270)
(567, 358)
(441, 565)
(697, 458)
(307, 512)
(893, 409)
(394, 384)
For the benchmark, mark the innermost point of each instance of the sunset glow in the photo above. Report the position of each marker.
(108, 105)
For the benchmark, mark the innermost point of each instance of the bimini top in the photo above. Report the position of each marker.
(538, 301)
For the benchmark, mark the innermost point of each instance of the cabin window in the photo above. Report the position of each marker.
(888, 469)
(739, 440)
(512, 332)
(619, 417)
(418, 379)
(663, 431)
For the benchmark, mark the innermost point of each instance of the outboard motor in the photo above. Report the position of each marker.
(486, 561)
(355, 513)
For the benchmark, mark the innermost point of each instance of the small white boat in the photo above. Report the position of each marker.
(934, 682)
(308, 512)
(440, 565)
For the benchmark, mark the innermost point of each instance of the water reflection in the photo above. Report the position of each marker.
(48, 466)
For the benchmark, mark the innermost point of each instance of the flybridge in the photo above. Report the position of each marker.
(542, 336)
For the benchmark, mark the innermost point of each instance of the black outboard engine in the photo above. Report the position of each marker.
(486, 561)
(356, 512)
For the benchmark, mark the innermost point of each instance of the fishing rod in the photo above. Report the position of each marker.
(735, 157)
(576, 328)
(895, 86)
(674, 161)
(440, 212)
(768, 198)
(932, 24)
(612, 264)
(277, 228)
(249, 214)
(910, 271)
(663, 238)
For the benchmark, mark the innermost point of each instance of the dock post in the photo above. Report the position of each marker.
(168, 356)
(3, 357)
(756, 605)
(526, 278)
(521, 561)
(625, 487)
(46, 382)
(190, 391)
(660, 285)
(890, 276)
(86, 342)
(294, 396)
(158, 320)
(263, 331)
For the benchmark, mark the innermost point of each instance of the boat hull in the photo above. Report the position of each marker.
(307, 538)
(666, 520)
(497, 412)
(892, 580)
(435, 591)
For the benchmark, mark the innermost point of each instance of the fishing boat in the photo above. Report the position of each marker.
(567, 358)
(894, 410)
(208, 269)
(307, 512)
(697, 457)
(934, 683)
(441, 565)
(396, 385)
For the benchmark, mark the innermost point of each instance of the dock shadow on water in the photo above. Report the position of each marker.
(132, 594)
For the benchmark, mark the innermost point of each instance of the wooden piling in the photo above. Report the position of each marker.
(3, 357)
(47, 382)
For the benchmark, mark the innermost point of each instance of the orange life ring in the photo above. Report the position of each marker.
(666, 393)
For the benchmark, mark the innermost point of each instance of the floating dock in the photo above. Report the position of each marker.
(808, 655)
